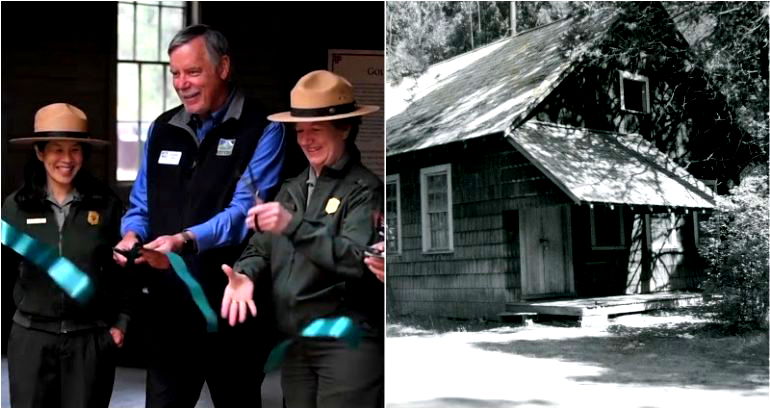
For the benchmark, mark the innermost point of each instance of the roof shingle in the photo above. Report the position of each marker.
(607, 167)
(485, 90)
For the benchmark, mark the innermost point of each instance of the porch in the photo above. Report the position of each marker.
(595, 311)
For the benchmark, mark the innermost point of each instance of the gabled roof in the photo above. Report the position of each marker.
(486, 90)
(607, 167)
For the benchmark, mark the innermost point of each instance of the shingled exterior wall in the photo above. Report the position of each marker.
(490, 180)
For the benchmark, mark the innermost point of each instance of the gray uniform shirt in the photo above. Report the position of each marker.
(62, 210)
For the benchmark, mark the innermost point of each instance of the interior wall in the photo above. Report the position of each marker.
(53, 52)
(276, 43)
(58, 53)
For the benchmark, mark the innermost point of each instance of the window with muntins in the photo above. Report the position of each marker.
(145, 90)
(436, 206)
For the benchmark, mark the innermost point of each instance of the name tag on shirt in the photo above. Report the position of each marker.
(225, 147)
(169, 157)
(38, 220)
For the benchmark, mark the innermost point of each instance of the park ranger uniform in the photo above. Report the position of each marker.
(315, 269)
(60, 352)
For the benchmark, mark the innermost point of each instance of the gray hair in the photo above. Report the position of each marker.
(216, 43)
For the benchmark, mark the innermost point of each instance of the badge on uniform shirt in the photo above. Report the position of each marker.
(37, 220)
(332, 205)
(169, 157)
(225, 147)
(93, 217)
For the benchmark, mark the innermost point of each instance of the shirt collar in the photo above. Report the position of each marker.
(311, 176)
(232, 109)
(336, 166)
(341, 162)
(216, 116)
(73, 196)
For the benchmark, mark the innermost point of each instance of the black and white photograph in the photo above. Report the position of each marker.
(577, 204)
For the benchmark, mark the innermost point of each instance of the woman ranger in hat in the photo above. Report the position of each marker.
(310, 246)
(61, 347)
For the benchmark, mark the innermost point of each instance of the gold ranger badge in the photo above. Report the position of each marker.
(93, 217)
(332, 205)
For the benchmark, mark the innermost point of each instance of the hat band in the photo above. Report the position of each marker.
(62, 134)
(325, 111)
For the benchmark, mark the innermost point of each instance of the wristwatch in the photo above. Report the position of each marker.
(189, 246)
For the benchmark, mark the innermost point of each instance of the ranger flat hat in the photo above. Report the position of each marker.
(322, 96)
(60, 122)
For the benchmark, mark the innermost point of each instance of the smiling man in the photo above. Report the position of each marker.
(203, 163)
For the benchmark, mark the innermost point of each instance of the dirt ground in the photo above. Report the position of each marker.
(665, 359)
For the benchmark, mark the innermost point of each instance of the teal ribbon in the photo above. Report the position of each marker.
(340, 328)
(195, 291)
(63, 272)
(276, 356)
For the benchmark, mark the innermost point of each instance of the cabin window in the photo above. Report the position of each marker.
(436, 205)
(144, 87)
(607, 228)
(393, 214)
(634, 92)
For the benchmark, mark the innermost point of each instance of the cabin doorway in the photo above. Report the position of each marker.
(546, 252)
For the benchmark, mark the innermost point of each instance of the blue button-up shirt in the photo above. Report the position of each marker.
(227, 227)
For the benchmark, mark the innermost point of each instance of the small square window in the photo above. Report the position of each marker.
(634, 92)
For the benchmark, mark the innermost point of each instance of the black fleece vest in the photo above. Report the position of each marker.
(191, 192)
(202, 184)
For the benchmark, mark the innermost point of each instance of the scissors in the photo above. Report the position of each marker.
(373, 252)
(131, 254)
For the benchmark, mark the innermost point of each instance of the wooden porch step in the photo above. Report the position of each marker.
(525, 318)
(596, 311)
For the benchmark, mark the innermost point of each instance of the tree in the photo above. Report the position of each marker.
(420, 34)
(531, 14)
(736, 246)
(731, 41)
(416, 37)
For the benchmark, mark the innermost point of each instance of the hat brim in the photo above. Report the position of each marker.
(288, 117)
(35, 139)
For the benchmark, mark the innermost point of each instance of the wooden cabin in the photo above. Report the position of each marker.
(523, 170)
